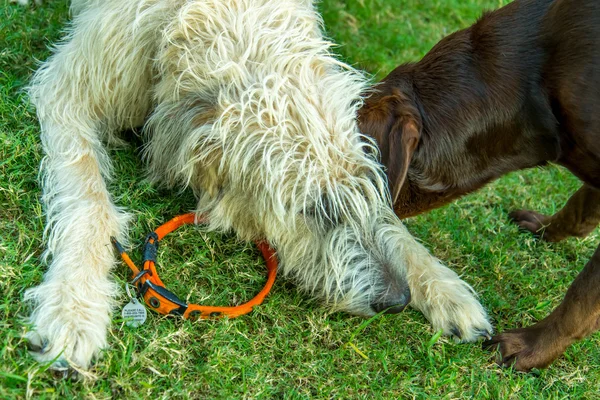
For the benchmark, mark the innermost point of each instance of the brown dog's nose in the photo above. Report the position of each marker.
(393, 303)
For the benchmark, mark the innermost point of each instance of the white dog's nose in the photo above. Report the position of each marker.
(393, 303)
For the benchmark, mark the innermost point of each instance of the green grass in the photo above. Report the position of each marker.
(290, 347)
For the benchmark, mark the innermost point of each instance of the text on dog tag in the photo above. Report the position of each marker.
(134, 313)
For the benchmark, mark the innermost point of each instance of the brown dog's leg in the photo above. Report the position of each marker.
(578, 217)
(575, 318)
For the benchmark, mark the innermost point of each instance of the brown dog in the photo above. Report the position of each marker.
(518, 89)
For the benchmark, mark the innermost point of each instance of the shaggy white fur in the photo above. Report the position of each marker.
(244, 104)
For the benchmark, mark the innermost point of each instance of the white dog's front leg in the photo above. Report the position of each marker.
(97, 82)
(446, 301)
(73, 303)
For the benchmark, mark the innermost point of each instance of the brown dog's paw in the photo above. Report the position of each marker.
(526, 348)
(535, 223)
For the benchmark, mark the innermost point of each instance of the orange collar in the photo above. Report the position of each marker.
(164, 301)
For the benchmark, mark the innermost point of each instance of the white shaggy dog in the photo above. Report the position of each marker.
(244, 104)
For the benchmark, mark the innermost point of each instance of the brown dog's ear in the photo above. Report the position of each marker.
(395, 124)
(403, 140)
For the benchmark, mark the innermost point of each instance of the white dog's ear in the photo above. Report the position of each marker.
(395, 124)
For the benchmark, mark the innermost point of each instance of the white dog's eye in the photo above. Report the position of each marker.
(323, 214)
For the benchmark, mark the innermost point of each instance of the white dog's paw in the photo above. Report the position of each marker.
(462, 317)
(67, 332)
(449, 304)
(454, 308)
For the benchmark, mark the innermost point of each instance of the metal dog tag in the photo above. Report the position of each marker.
(134, 313)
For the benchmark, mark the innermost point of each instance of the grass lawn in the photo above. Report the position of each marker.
(290, 347)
